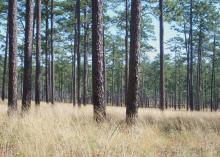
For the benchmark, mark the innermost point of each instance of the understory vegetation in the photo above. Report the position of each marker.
(64, 130)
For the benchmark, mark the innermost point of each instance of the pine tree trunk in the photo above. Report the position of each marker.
(213, 74)
(187, 70)
(74, 67)
(161, 56)
(113, 78)
(97, 59)
(78, 53)
(38, 53)
(46, 56)
(175, 86)
(26, 99)
(126, 48)
(198, 103)
(12, 80)
(191, 62)
(52, 53)
(5, 64)
(132, 97)
(85, 71)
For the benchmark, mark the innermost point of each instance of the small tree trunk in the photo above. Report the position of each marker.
(38, 53)
(161, 57)
(52, 55)
(85, 73)
(46, 56)
(78, 53)
(26, 99)
(126, 48)
(191, 62)
(213, 74)
(5, 64)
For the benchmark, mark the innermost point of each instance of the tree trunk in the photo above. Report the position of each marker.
(161, 57)
(191, 62)
(46, 56)
(198, 103)
(187, 70)
(213, 74)
(78, 53)
(5, 64)
(85, 71)
(26, 99)
(38, 53)
(126, 48)
(132, 97)
(97, 60)
(52, 54)
(12, 79)
(74, 67)
(175, 86)
(113, 78)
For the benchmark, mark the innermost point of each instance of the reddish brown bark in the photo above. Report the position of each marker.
(38, 52)
(26, 99)
(132, 97)
(12, 80)
(97, 58)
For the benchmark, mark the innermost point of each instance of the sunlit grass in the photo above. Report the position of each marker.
(62, 130)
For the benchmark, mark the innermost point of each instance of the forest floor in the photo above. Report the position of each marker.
(64, 131)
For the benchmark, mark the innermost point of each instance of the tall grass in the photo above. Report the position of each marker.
(64, 131)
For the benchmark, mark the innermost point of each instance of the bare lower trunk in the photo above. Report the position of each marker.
(38, 53)
(26, 99)
(161, 57)
(52, 54)
(5, 64)
(85, 73)
(126, 49)
(46, 56)
(132, 97)
(12, 79)
(97, 58)
(191, 62)
(78, 54)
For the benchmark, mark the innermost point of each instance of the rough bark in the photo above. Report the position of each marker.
(126, 48)
(52, 53)
(161, 56)
(132, 97)
(5, 64)
(38, 53)
(213, 74)
(199, 71)
(113, 78)
(74, 66)
(191, 62)
(46, 56)
(78, 53)
(97, 59)
(12, 79)
(26, 99)
(85, 71)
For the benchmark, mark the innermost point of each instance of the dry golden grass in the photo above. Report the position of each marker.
(65, 131)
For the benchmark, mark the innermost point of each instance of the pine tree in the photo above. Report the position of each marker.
(97, 61)
(132, 97)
